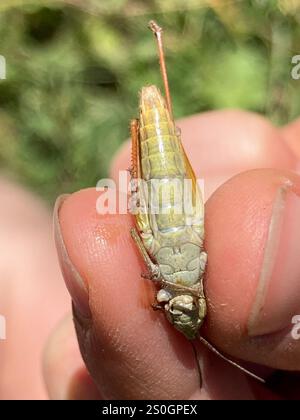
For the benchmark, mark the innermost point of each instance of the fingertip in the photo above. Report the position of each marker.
(221, 144)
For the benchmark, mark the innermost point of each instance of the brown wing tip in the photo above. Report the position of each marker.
(134, 124)
(151, 97)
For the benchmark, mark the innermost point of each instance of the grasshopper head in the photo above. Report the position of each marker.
(184, 313)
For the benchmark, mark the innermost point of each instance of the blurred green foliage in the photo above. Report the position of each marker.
(74, 70)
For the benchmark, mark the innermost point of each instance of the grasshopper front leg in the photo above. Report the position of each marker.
(154, 272)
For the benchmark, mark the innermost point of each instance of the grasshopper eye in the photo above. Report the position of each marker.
(163, 296)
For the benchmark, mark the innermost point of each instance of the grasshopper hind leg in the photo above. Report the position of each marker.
(135, 171)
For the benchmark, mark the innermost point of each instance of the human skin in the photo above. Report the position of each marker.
(252, 240)
(32, 296)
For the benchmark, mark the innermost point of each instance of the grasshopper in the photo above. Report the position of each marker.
(169, 237)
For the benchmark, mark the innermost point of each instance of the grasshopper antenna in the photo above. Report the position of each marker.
(231, 362)
(157, 30)
(197, 362)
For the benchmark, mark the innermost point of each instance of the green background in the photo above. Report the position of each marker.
(74, 70)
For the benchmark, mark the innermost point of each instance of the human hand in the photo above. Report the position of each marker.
(32, 295)
(252, 282)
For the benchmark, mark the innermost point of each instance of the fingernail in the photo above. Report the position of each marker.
(74, 282)
(277, 298)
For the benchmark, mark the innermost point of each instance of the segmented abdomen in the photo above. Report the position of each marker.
(161, 154)
(165, 167)
(162, 161)
(172, 236)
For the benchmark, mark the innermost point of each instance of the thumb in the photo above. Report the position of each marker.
(253, 244)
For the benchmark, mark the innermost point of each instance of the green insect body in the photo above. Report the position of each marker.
(169, 214)
(171, 236)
